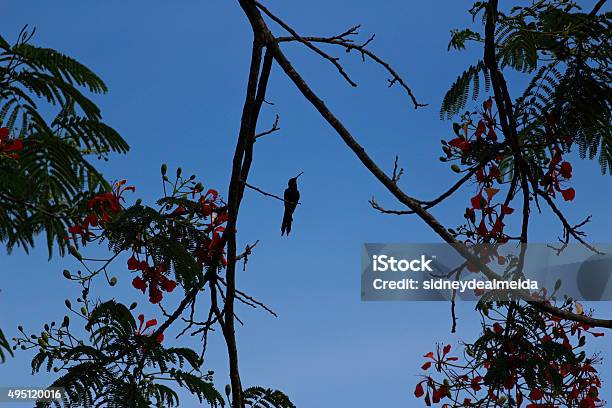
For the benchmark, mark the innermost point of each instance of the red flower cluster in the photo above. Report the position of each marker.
(214, 246)
(513, 365)
(102, 207)
(473, 144)
(9, 147)
(110, 202)
(483, 133)
(438, 392)
(491, 225)
(558, 169)
(153, 277)
(144, 327)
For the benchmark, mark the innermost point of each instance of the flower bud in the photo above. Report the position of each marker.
(67, 274)
(228, 389)
(164, 169)
(84, 311)
(113, 281)
(68, 304)
(133, 306)
(179, 171)
(456, 168)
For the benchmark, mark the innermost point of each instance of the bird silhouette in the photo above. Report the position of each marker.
(291, 197)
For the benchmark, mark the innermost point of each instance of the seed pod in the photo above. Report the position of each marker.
(66, 321)
(84, 311)
(113, 281)
(133, 306)
(164, 169)
(42, 342)
(67, 274)
(68, 304)
(456, 168)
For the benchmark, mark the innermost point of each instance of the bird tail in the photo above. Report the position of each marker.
(286, 226)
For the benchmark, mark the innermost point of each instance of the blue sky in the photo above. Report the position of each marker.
(176, 73)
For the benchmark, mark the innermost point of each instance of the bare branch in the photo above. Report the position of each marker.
(333, 60)
(266, 193)
(274, 128)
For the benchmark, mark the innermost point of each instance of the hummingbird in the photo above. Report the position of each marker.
(291, 197)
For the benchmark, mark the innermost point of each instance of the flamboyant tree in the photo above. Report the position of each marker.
(515, 150)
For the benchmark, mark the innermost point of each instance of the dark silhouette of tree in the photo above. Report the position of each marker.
(531, 347)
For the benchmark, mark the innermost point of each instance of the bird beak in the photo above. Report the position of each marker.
(298, 175)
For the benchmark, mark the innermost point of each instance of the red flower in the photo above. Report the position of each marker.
(168, 285)
(178, 211)
(480, 129)
(506, 210)
(478, 201)
(475, 383)
(536, 394)
(460, 143)
(212, 193)
(482, 228)
(9, 146)
(139, 284)
(155, 295)
(498, 329)
(426, 365)
(569, 194)
(491, 135)
(566, 170)
(133, 263)
(418, 391)
(142, 331)
(150, 323)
